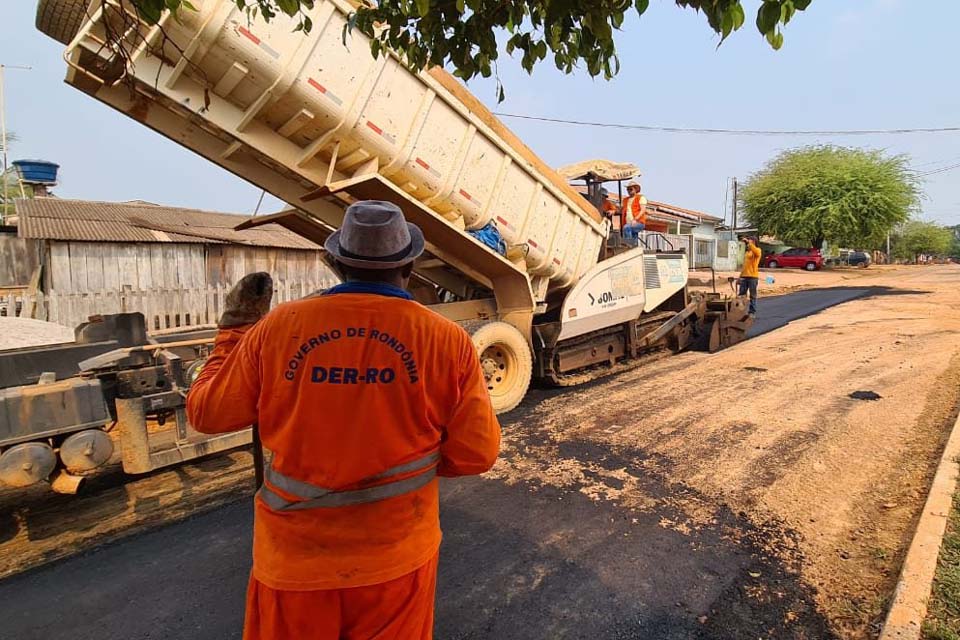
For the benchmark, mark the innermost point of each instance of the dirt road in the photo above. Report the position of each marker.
(768, 431)
(743, 494)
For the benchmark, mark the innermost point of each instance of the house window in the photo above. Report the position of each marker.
(723, 249)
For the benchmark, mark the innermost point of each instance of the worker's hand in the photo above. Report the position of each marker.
(248, 301)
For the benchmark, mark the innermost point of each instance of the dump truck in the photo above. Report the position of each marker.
(318, 122)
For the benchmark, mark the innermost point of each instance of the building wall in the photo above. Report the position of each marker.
(705, 229)
(729, 252)
(19, 258)
(226, 264)
(729, 255)
(88, 267)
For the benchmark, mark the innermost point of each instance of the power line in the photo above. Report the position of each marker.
(940, 170)
(941, 161)
(736, 132)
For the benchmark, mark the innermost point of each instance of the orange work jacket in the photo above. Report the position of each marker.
(346, 386)
(635, 209)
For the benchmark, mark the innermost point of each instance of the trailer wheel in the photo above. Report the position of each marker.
(506, 362)
(25, 464)
(61, 19)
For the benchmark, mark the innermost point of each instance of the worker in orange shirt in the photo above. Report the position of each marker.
(634, 212)
(363, 397)
(609, 210)
(750, 275)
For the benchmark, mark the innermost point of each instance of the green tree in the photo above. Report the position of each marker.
(462, 33)
(9, 185)
(10, 191)
(849, 197)
(917, 238)
(955, 241)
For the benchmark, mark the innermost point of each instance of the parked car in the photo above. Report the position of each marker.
(859, 259)
(809, 259)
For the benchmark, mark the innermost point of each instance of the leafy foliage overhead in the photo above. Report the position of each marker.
(850, 197)
(462, 33)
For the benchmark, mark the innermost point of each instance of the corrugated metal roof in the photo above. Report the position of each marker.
(680, 211)
(91, 221)
(668, 211)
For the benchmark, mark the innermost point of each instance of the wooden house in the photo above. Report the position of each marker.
(173, 264)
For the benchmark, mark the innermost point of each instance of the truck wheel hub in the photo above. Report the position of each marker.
(495, 362)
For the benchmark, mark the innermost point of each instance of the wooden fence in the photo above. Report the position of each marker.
(162, 308)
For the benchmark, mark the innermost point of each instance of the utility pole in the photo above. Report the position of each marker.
(734, 203)
(888, 247)
(3, 114)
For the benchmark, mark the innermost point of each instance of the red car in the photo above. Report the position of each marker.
(809, 259)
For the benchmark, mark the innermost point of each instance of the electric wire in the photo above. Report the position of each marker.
(738, 132)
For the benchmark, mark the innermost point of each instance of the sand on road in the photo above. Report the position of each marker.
(768, 429)
(17, 333)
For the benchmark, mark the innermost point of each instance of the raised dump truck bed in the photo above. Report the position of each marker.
(318, 122)
(318, 112)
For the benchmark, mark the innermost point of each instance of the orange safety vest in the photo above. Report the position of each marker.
(635, 209)
(363, 396)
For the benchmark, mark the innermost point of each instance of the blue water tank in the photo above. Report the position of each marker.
(37, 171)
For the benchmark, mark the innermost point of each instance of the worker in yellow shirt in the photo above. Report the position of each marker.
(750, 276)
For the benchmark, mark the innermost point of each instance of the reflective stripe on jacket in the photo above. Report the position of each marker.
(363, 397)
(388, 484)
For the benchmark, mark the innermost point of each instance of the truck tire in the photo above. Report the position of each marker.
(506, 362)
(61, 19)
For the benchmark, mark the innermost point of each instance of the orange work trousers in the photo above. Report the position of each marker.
(401, 609)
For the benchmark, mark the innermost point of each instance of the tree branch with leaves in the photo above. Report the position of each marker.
(462, 34)
(850, 197)
(917, 238)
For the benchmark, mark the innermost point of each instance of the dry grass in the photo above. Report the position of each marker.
(943, 616)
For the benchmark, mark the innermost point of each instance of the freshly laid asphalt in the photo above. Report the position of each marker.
(778, 311)
(605, 573)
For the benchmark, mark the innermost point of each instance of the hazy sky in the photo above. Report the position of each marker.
(846, 64)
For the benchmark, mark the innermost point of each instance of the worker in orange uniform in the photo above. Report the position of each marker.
(363, 397)
(750, 275)
(634, 212)
(610, 210)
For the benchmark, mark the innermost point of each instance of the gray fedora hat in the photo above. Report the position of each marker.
(374, 235)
